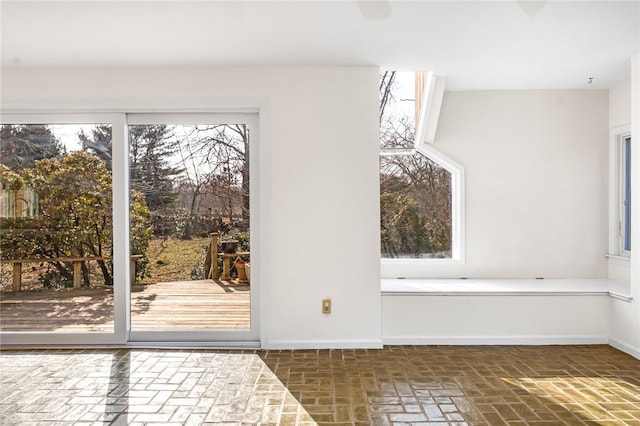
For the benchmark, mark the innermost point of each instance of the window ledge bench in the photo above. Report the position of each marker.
(504, 287)
(500, 311)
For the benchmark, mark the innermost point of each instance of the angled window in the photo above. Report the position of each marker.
(420, 188)
(415, 205)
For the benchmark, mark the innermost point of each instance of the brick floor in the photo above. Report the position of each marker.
(399, 385)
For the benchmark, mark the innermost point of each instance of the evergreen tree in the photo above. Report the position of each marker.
(22, 145)
(149, 150)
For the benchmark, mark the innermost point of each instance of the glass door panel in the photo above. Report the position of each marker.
(190, 232)
(56, 228)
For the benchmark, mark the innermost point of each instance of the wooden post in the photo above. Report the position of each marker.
(17, 276)
(213, 249)
(226, 266)
(77, 274)
(132, 270)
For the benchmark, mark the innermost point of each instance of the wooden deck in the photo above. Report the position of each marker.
(184, 305)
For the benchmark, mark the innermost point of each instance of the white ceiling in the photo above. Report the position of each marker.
(513, 44)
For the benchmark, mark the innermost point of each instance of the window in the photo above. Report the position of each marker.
(620, 193)
(625, 195)
(420, 188)
(415, 206)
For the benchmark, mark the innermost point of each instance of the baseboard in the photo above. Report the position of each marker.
(323, 344)
(634, 352)
(496, 340)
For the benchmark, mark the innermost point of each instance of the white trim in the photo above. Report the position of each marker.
(617, 289)
(430, 109)
(625, 259)
(121, 228)
(496, 340)
(57, 338)
(323, 344)
(189, 118)
(135, 106)
(628, 349)
(218, 344)
(620, 296)
(458, 218)
(612, 294)
(260, 265)
(171, 337)
(142, 345)
(38, 117)
(501, 293)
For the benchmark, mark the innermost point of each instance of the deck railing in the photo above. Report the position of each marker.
(77, 262)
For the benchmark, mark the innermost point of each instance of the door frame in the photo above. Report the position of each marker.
(249, 337)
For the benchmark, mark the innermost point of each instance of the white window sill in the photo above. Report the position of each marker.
(506, 287)
(618, 257)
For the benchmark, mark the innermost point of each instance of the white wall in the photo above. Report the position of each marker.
(620, 104)
(320, 206)
(512, 319)
(536, 165)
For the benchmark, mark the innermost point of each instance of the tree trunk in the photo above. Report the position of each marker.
(108, 279)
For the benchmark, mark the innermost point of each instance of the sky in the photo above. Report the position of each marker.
(67, 134)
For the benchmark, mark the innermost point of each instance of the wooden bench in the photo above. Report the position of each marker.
(77, 267)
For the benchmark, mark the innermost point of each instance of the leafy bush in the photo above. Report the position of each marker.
(75, 215)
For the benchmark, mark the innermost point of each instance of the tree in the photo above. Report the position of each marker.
(22, 145)
(415, 206)
(403, 227)
(387, 82)
(225, 149)
(98, 142)
(150, 148)
(75, 218)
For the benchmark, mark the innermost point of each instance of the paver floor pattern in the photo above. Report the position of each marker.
(397, 385)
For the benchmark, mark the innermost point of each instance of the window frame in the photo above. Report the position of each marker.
(619, 226)
(624, 233)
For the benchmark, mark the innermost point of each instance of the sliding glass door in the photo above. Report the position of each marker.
(128, 228)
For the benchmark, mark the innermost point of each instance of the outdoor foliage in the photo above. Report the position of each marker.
(215, 179)
(186, 181)
(150, 147)
(23, 145)
(75, 218)
(415, 206)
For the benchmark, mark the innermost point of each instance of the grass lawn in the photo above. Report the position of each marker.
(173, 260)
(169, 260)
